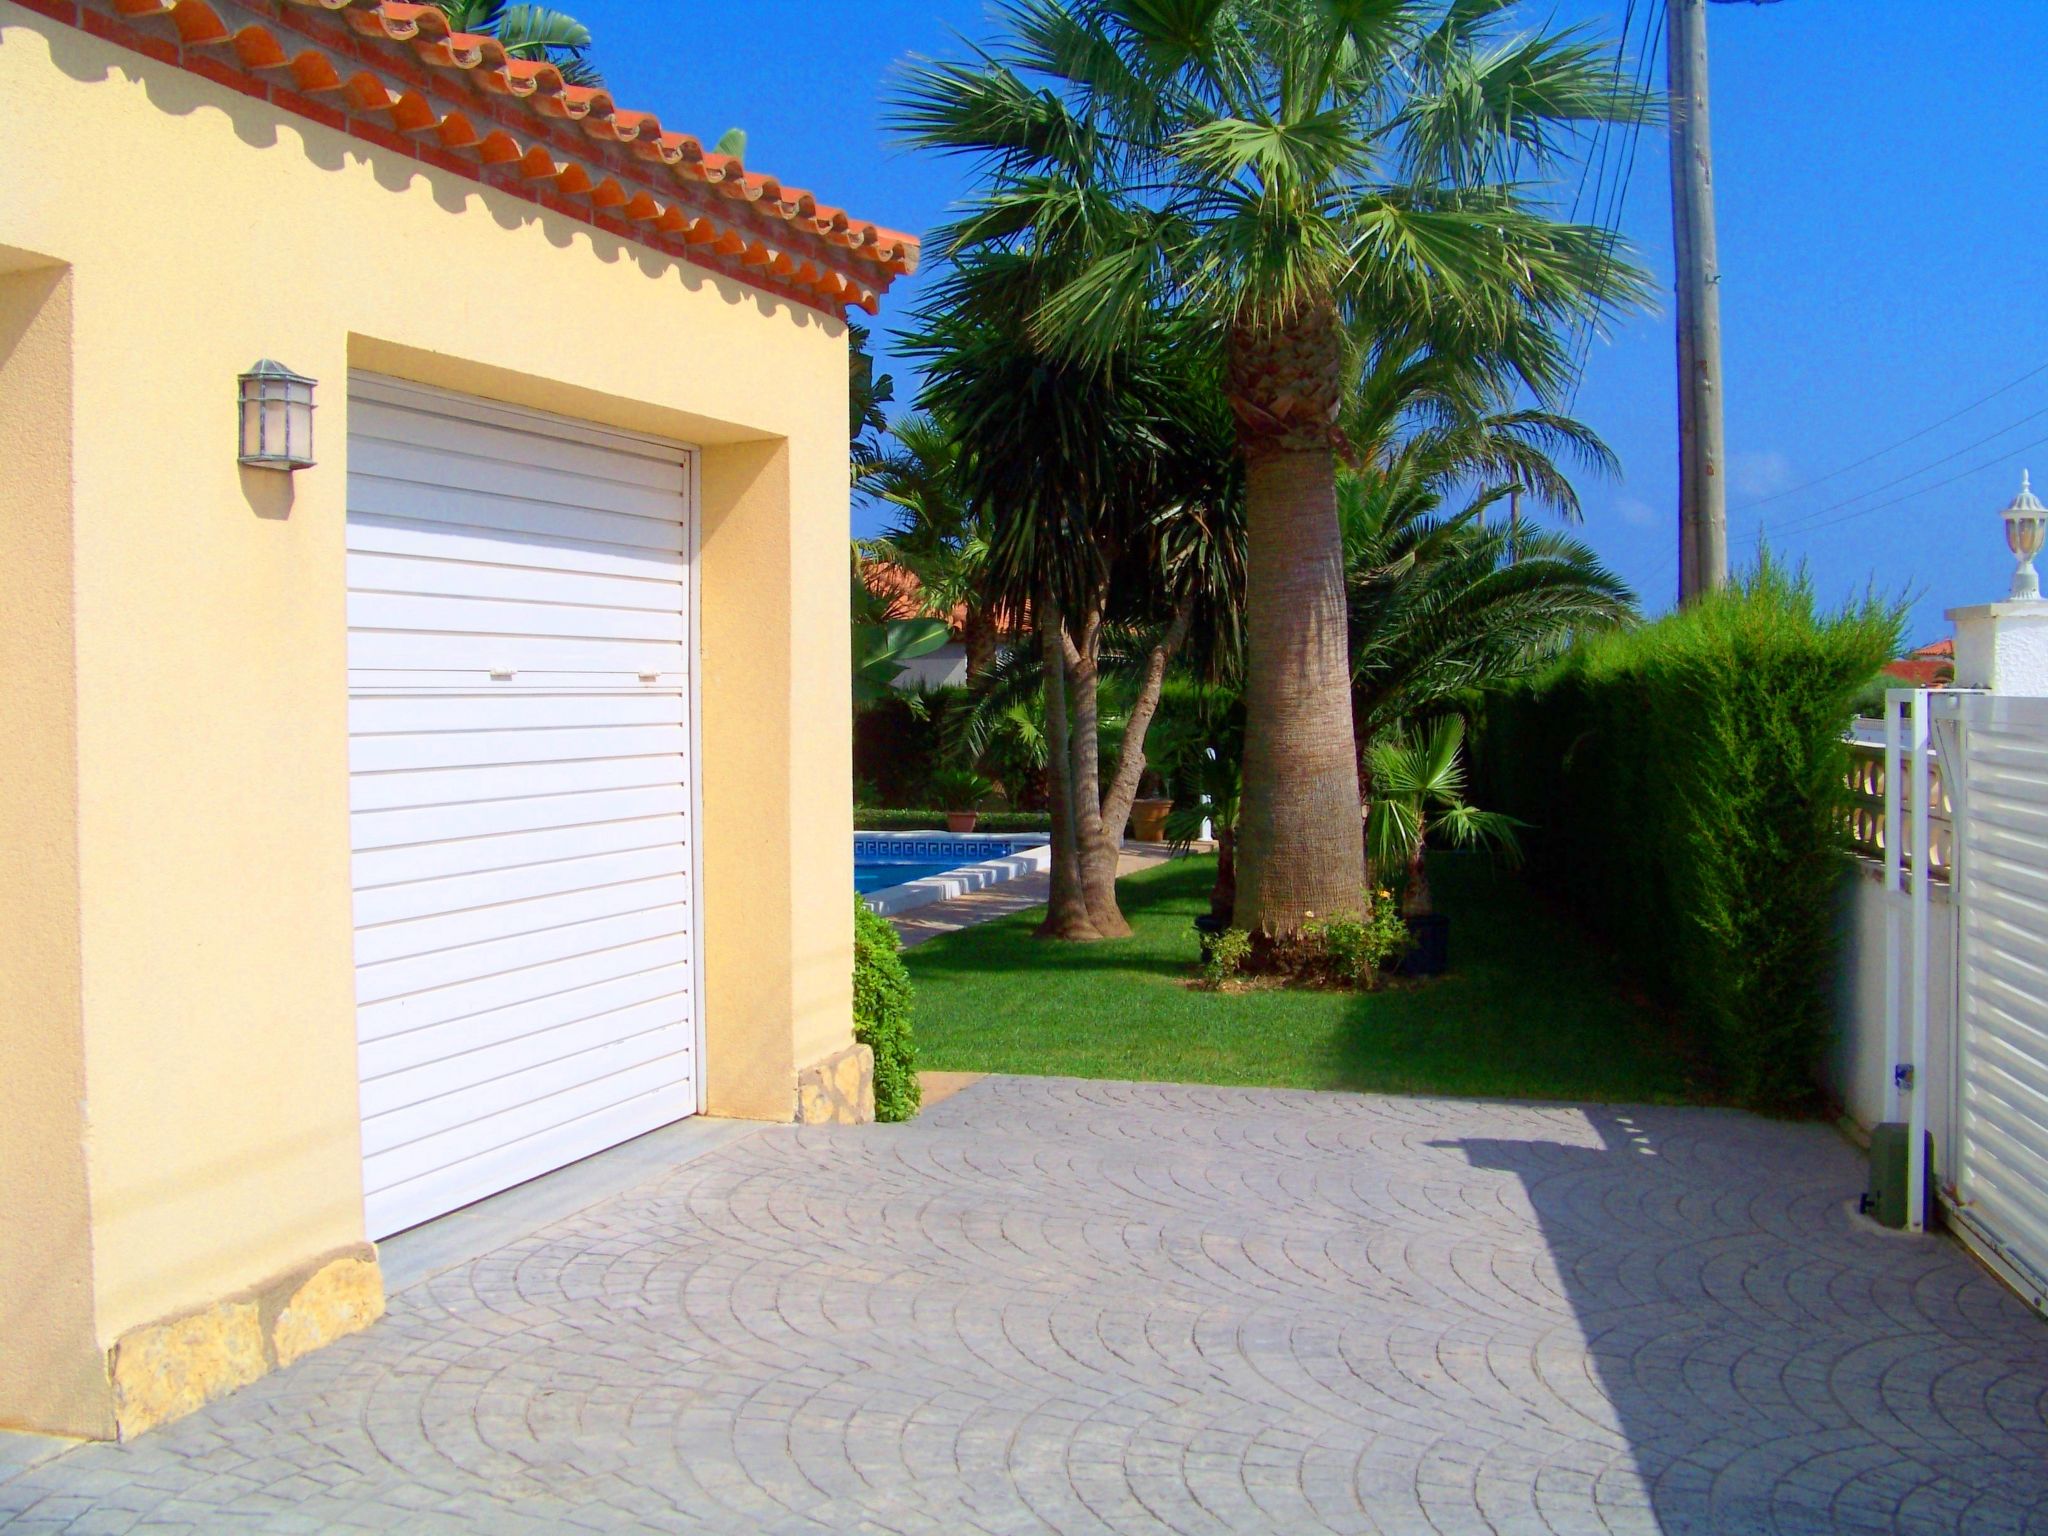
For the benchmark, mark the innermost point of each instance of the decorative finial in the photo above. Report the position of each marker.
(2026, 528)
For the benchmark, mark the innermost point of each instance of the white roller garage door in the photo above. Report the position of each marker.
(520, 692)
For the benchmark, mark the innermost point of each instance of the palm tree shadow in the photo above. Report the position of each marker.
(1772, 1361)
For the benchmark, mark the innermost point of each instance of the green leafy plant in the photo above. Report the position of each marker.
(533, 32)
(1351, 949)
(1224, 956)
(881, 1013)
(1418, 788)
(1685, 782)
(961, 789)
(883, 647)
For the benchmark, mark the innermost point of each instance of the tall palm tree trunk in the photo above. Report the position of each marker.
(1101, 845)
(978, 634)
(1300, 849)
(1066, 912)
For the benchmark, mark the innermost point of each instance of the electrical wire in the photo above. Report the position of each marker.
(1897, 443)
(1609, 203)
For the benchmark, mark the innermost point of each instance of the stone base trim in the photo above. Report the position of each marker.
(165, 1370)
(840, 1090)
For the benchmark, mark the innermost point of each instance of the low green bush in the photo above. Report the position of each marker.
(1346, 949)
(874, 818)
(1224, 956)
(1355, 947)
(881, 1013)
(1684, 783)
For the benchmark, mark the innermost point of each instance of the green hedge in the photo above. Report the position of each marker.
(871, 818)
(1684, 783)
(881, 1013)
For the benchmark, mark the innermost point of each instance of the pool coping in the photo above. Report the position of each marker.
(893, 899)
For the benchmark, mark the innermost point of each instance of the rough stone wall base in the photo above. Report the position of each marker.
(165, 1370)
(840, 1090)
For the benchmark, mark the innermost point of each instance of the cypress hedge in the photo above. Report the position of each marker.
(1684, 784)
(881, 1013)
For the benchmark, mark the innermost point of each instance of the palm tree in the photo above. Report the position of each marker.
(1283, 173)
(1438, 602)
(1111, 513)
(867, 390)
(1421, 790)
(529, 32)
(937, 535)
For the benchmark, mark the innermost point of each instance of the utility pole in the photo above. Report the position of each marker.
(1702, 482)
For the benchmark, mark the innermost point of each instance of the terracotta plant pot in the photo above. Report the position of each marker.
(961, 821)
(1148, 820)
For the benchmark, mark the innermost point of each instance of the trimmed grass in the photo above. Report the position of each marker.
(1529, 1010)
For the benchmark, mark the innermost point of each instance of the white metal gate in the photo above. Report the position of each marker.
(520, 712)
(1994, 753)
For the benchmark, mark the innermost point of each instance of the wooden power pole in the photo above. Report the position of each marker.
(1702, 481)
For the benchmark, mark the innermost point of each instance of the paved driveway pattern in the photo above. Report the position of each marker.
(1088, 1307)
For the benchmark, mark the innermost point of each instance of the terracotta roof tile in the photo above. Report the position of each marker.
(390, 67)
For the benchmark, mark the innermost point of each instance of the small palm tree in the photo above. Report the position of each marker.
(937, 536)
(1419, 790)
(533, 32)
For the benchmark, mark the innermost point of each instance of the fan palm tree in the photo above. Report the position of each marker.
(1421, 791)
(533, 32)
(1282, 173)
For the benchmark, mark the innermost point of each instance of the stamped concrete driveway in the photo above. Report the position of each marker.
(1066, 1307)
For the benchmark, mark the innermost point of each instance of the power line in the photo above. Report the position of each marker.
(1961, 474)
(1609, 206)
(1897, 444)
(1997, 459)
(1805, 519)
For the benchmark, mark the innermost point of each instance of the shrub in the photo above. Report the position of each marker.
(900, 741)
(873, 818)
(881, 1012)
(960, 789)
(1345, 950)
(1684, 783)
(1224, 956)
(1351, 949)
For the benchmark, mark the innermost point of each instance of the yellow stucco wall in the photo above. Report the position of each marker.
(212, 995)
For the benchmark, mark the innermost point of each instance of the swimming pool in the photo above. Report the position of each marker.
(879, 874)
(896, 871)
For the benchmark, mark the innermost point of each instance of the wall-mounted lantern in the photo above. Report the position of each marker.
(277, 418)
(2026, 528)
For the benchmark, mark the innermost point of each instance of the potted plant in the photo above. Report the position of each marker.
(1418, 791)
(960, 791)
(1149, 810)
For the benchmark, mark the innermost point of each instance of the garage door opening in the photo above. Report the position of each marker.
(521, 658)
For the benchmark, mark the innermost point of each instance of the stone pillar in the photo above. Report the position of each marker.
(2003, 647)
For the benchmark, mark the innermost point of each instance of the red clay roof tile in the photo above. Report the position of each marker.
(398, 67)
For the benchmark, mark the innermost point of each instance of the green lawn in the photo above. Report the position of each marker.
(1529, 1010)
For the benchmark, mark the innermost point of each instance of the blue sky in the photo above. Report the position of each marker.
(1884, 251)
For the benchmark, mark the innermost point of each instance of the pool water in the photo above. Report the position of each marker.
(875, 875)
